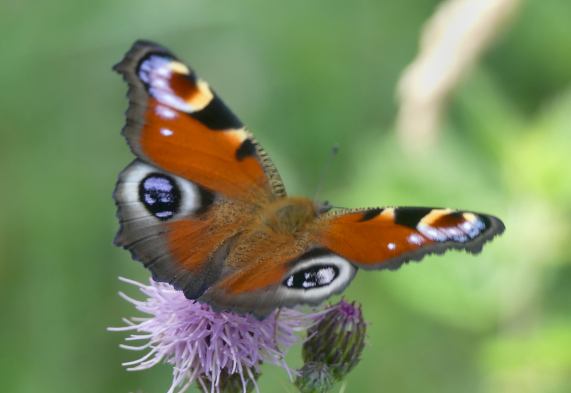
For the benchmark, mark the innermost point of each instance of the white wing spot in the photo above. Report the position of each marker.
(166, 132)
(415, 239)
(325, 276)
(165, 113)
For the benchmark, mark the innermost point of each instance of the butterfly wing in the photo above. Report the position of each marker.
(199, 176)
(176, 122)
(307, 277)
(385, 238)
(340, 243)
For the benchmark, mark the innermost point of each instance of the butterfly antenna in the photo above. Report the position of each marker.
(325, 171)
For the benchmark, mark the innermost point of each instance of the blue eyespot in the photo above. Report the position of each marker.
(160, 195)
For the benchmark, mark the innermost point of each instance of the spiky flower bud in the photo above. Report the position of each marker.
(314, 377)
(338, 339)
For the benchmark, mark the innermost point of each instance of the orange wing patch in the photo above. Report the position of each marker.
(187, 244)
(366, 240)
(254, 278)
(186, 147)
(193, 242)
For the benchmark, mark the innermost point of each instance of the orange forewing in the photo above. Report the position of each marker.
(176, 122)
(371, 241)
(185, 147)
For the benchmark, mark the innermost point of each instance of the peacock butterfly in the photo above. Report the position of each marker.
(204, 209)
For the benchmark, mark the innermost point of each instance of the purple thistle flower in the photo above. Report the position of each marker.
(206, 346)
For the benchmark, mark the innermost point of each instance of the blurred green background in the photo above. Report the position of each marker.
(304, 76)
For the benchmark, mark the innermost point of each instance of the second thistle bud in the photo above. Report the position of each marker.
(338, 339)
(314, 378)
